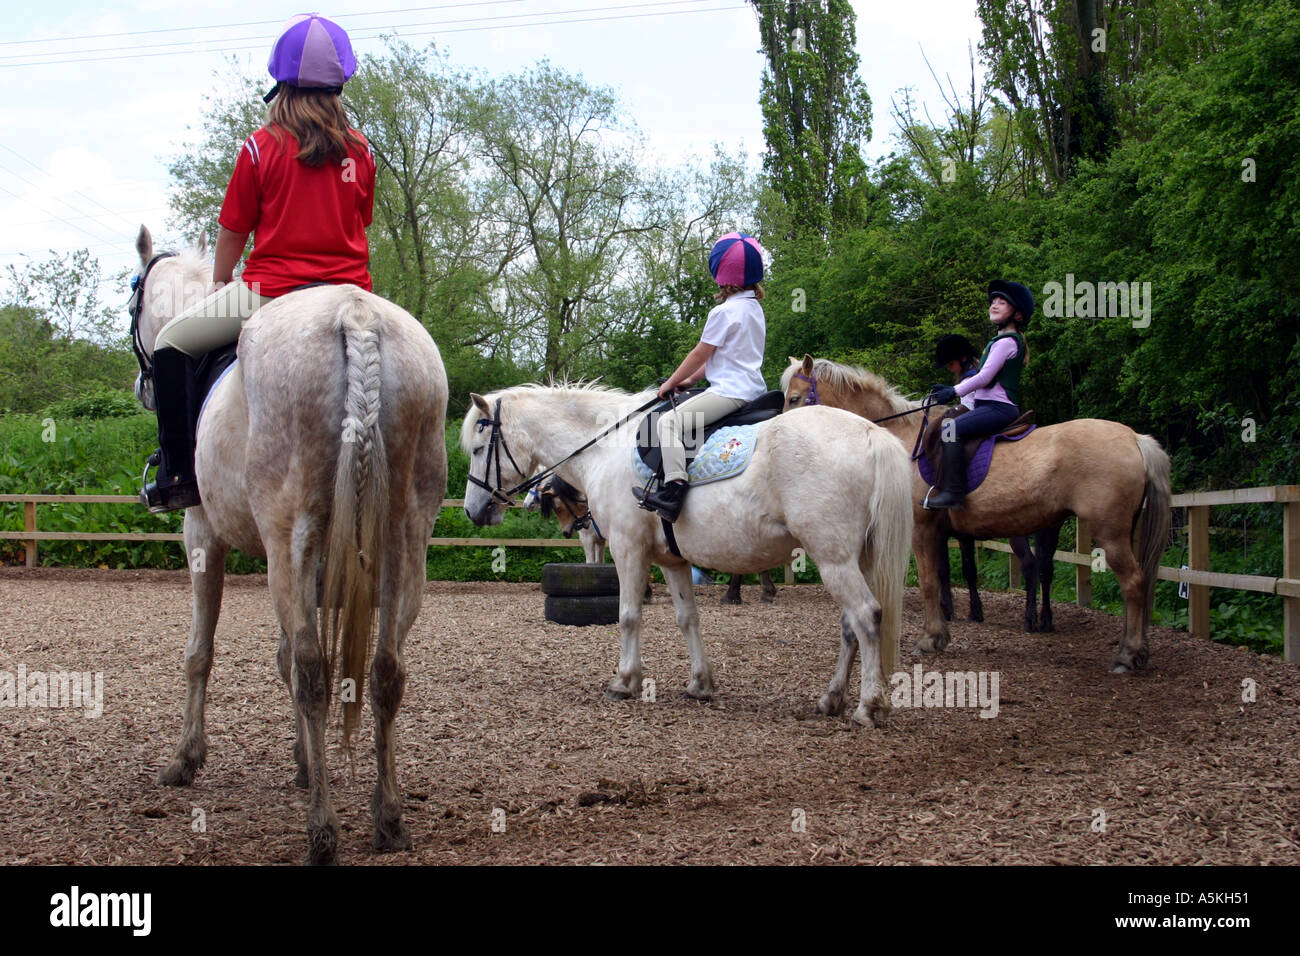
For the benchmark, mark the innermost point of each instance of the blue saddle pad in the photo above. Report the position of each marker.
(212, 390)
(724, 454)
(977, 467)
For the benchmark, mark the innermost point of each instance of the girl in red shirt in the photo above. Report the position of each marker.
(304, 188)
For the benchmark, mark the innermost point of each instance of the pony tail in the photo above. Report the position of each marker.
(355, 539)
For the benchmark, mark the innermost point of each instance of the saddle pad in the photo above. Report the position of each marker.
(724, 454)
(977, 468)
(212, 389)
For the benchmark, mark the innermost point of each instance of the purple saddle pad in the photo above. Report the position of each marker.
(977, 466)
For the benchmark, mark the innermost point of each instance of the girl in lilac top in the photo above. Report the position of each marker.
(992, 393)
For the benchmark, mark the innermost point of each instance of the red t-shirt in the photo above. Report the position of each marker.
(309, 222)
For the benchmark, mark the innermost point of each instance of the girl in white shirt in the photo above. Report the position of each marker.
(729, 355)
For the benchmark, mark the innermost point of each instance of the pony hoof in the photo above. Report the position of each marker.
(831, 705)
(392, 839)
(696, 690)
(726, 599)
(873, 716)
(322, 848)
(617, 693)
(300, 779)
(977, 617)
(768, 598)
(178, 773)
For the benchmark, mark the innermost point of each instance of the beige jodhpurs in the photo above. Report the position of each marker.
(687, 422)
(212, 323)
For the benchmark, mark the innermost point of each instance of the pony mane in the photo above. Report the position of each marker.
(577, 391)
(853, 378)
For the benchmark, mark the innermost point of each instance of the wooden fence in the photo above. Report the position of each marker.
(1197, 575)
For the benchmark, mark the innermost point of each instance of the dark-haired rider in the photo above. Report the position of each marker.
(991, 393)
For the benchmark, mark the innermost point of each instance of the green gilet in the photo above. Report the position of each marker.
(1009, 375)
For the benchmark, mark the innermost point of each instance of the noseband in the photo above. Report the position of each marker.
(496, 445)
(135, 308)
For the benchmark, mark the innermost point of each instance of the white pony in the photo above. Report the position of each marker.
(324, 443)
(822, 479)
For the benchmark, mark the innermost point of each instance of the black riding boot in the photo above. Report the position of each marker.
(174, 487)
(952, 492)
(666, 499)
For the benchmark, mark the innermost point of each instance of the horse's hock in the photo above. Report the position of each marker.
(580, 594)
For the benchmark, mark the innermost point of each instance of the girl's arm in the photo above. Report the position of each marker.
(1002, 350)
(691, 369)
(230, 246)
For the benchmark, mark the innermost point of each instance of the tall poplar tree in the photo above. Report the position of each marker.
(816, 113)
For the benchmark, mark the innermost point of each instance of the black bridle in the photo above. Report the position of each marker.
(497, 444)
(135, 308)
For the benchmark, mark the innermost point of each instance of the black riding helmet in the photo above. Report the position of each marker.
(1021, 299)
(953, 348)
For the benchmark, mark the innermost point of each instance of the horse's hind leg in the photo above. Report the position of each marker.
(862, 613)
(1045, 545)
(832, 702)
(401, 595)
(688, 622)
(1028, 571)
(207, 558)
(284, 660)
(291, 570)
(769, 587)
(1132, 652)
(970, 572)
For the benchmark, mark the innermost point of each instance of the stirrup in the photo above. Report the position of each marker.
(162, 498)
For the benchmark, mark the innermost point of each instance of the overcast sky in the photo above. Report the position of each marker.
(99, 97)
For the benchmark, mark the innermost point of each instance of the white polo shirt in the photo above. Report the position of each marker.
(738, 330)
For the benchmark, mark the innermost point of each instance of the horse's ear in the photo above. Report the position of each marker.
(144, 245)
(807, 364)
(481, 402)
(203, 245)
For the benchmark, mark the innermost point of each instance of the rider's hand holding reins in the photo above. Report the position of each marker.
(942, 394)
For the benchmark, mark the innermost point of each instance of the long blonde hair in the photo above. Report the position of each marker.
(315, 118)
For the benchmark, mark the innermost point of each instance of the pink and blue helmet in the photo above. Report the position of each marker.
(311, 52)
(736, 259)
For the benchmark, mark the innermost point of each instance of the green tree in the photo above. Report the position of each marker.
(816, 115)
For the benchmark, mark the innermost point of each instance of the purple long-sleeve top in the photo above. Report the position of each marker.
(980, 387)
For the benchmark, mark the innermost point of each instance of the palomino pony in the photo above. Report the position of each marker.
(1111, 477)
(324, 443)
(821, 479)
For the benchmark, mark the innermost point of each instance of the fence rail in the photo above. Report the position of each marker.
(1196, 575)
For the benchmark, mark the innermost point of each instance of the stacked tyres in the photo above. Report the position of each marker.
(581, 594)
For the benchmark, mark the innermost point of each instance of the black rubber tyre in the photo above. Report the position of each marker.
(582, 611)
(579, 580)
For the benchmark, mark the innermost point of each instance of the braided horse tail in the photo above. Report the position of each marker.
(355, 539)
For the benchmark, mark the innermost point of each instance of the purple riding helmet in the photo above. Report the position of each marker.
(311, 52)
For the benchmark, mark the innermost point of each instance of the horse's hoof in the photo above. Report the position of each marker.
(831, 705)
(875, 715)
(728, 599)
(392, 839)
(977, 617)
(322, 847)
(930, 645)
(300, 779)
(697, 690)
(178, 773)
(769, 598)
(617, 693)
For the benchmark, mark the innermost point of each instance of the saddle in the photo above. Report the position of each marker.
(647, 430)
(977, 452)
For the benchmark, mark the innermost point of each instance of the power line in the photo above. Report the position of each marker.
(255, 23)
(474, 29)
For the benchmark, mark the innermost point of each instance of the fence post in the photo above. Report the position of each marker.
(29, 524)
(1291, 569)
(1083, 572)
(1198, 559)
(789, 574)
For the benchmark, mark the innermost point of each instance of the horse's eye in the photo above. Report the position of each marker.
(481, 426)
